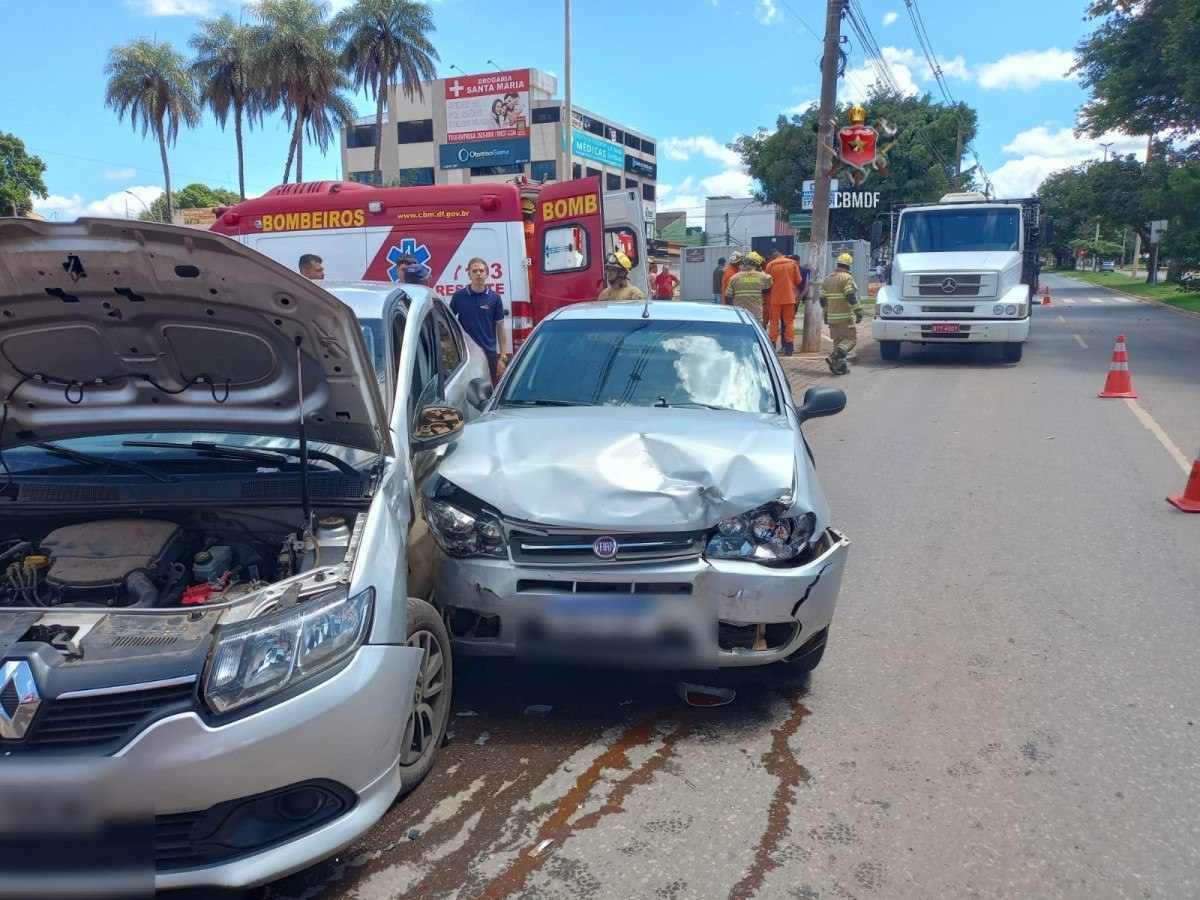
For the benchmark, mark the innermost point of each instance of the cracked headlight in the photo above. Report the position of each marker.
(462, 534)
(763, 535)
(254, 659)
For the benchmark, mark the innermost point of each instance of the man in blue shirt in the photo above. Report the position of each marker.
(481, 313)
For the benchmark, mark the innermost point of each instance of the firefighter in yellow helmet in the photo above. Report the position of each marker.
(839, 299)
(749, 288)
(616, 272)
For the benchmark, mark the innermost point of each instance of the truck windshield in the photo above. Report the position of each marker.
(958, 230)
(709, 365)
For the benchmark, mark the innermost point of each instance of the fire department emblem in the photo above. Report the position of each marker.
(858, 147)
(410, 248)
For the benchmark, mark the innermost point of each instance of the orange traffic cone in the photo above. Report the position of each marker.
(1189, 500)
(1046, 296)
(1119, 383)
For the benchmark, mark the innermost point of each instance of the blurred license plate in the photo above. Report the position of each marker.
(945, 328)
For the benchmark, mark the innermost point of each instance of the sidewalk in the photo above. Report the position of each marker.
(807, 369)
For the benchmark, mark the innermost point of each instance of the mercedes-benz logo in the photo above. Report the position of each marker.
(605, 547)
(949, 285)
(19, 699)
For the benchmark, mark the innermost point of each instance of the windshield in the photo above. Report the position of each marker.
(954, 230)
(643, 363)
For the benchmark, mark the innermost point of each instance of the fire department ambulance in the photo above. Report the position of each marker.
(544, 244)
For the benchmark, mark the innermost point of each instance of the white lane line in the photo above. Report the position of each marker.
(1068, 300)
(1125, 300)
(1095, 299)
(1080, 340)
(1163, 438)
(1061, 319)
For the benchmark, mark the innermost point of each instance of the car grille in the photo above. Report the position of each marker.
(99, 721)
(935, 285)
(945, 310)
(540, 586)
(575, 549)
(173, 844)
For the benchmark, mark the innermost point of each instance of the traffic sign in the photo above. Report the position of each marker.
(800, 220)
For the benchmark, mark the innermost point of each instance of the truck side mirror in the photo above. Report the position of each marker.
(822, 401)
(876, 233)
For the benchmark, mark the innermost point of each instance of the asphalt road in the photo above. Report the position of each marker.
(1010, 702)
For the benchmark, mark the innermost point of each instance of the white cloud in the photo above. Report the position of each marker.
(683, 149)
(1045, 149)
(889, 19)
(119, 174)
(1025, 70)
(766, 11)
(907, 67)
(689, 195)
(118, 205)
(955, 68)
(171, 7)
(801, 108)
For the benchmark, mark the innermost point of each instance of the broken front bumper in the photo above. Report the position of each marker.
(693, 613)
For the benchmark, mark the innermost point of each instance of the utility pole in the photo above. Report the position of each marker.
(727, 239)
(820, 213)
(958, 148)
(568, 111)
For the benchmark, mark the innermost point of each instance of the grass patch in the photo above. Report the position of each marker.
(1167, 293)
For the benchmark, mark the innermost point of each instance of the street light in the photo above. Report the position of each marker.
(490, 63)
(139, 200)
(1106, 146)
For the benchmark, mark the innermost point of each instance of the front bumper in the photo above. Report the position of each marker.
(698, 598)
(975, 330)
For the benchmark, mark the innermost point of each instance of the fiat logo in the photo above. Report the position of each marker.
(605, 547)
(949, 285)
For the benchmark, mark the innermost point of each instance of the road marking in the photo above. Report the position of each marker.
(1095, 299)
(1080, 340)
(1125, 300)
(1068, 300)
(1061, 319)
(1163, 438)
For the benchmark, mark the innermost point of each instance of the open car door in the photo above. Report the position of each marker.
(568, 245)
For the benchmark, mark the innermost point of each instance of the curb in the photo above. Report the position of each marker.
(1151, 300)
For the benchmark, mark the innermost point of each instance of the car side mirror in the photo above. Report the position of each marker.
(479, 392)
(437, 424)
(822, 401)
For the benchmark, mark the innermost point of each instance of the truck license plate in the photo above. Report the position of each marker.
(945, 328)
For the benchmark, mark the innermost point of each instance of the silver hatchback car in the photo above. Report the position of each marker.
(215, 665)
(640, 492)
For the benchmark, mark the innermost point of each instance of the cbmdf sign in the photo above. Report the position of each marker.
(491, 106)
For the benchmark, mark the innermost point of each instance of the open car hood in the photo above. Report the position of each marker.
(112, 326)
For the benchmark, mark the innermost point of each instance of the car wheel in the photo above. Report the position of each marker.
(1013, 352)
(426, 727)
(889, 350)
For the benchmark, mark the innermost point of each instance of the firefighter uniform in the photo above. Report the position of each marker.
(839, 298)
(749, 287)
(616, 271)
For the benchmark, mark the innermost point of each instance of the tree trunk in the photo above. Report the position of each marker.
(300, 156)
(162, 149)
(237, 133)
(287, 169)
(381, 99)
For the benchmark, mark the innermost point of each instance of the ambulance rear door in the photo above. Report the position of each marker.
(624, 230)
(569, 245)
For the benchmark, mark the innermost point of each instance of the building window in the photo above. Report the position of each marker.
(544, 115)
(612, 182)
(648, 147)
(565, 249)
(543, 170)
(408, 177)
(364, 177)
(516, 169)
(418, 131)
(631, 184)
(576, 170)
(647, 192)
(594, 127)
(591, 173)
(633, 141)
(360, 136)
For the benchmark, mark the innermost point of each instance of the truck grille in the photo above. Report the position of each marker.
(578, 548)
(948, 285)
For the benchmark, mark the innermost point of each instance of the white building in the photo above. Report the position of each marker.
(741, 218)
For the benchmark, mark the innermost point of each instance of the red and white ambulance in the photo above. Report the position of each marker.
(544, 244)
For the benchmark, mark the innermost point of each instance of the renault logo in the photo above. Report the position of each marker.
(605, 547)
(19, 699)
(949, 285)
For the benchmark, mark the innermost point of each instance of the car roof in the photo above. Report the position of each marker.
(668, 310)
(367, 298)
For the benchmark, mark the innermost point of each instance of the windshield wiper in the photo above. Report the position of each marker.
(545, 403)
(661, 403)
(89, 459)
(271, 455)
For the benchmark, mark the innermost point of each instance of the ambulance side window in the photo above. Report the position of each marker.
(565, 249)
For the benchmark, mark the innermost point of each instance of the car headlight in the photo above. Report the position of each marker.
(263, 656)
(1010, 310)
(462, 534)
(889, 309)
(998, 309)
(763, 535)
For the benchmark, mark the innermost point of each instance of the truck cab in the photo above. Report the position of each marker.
(964, 270)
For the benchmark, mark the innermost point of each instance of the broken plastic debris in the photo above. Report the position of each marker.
(465, 713)
(483, 738)
(413, 834)
(704, 695)
(537, 851)
(538, 709)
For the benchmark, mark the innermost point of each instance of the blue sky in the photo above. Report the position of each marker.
(693, 73)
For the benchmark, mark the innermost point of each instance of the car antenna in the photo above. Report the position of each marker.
(305, 507)
(646, 309)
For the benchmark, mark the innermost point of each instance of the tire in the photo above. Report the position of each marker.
(889, 350)
(1013, 352)
(431, 711)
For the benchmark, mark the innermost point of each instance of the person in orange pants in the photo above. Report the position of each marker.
(785, 287)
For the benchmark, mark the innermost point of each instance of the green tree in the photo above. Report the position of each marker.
(150, 82)
(1064, 198)
(386, 42)
(1181, 244)
(20, 176)
(300, 65)
(229, 81)
(921, 164)
(194, 196)
(1141, 66)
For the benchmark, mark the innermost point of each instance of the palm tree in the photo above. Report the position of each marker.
(150, 81)
(225, 70)
(299, 60)
(387, 42)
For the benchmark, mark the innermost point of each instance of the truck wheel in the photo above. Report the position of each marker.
(1013, 352)
(889, 350)
(426, 727)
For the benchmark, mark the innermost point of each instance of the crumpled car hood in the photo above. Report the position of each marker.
(632, 468)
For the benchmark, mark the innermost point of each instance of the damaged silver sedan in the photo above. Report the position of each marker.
(639, 492)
